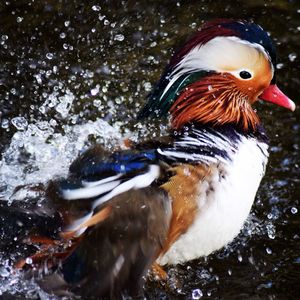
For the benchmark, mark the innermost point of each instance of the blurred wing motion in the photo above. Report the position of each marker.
(114, 225)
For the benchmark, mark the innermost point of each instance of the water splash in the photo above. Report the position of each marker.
(39, 153)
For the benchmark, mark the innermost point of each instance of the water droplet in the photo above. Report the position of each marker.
(147, 86)
(119, 37)
(20, 123)
(4, 272)
(62, 35)
(5, 123)
(266, 285)
(106, 22)
(197, 294)
(271, 231)
(4, 37)
(52, 122)
(67, 23)
(279, 66)
(269, 250)
(28, 261)
(95, 90)
(292, 56)
(42, 109)
(97, 103)
(20, 19)
(96, 8)
(49, 55)
(65, 103)
(101, 17)
(294, 210)
(240, 258)
(38, 78)
(193, 25)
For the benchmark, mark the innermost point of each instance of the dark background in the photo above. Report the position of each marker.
(63, 63)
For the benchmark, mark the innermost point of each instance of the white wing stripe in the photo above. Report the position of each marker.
(137, 182)
(88, 192)
(105, 180)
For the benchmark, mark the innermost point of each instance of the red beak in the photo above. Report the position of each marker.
(274, 95)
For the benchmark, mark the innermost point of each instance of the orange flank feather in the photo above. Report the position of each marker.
(94, 220)
(183, 188)
(215, 100)
(158, 272)
(50, 251)
(53, 250)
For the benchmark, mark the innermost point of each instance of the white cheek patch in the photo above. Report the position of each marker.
(221, 54)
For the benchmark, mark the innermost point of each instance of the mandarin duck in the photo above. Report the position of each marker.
(174, 199)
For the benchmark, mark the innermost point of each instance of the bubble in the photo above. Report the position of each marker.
(62, 35)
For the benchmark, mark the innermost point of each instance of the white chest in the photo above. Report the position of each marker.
(223, 205)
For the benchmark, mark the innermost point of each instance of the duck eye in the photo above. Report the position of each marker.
(245, 75)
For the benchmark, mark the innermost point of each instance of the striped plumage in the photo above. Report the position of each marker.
(182, 196)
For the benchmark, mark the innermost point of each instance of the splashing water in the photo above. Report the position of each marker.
(38, 154)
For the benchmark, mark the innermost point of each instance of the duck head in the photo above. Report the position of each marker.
(217, 76)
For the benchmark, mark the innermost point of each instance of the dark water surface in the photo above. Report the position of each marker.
(89, 63)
